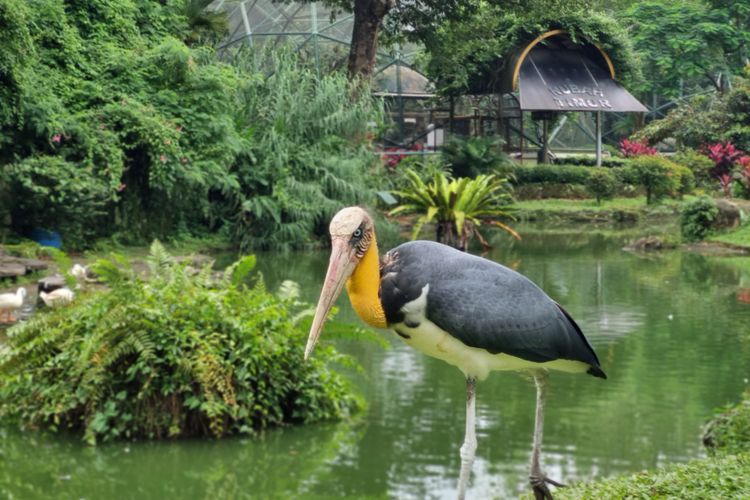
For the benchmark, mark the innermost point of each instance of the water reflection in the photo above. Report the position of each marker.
(670, 329)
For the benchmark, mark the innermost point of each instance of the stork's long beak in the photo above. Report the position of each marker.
(340, 267)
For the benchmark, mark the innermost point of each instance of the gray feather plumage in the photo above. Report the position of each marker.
(482, 303)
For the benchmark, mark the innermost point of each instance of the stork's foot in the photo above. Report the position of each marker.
(539, 486)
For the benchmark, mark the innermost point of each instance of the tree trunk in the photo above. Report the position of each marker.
(368, 17)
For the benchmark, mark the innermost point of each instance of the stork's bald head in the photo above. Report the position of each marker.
(352, 231)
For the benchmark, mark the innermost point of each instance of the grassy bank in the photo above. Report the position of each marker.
(739, 237)
(616, 210)
(724, 474)
(716, 477)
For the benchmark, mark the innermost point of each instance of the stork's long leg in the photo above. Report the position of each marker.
(469, 448)
(537, 479)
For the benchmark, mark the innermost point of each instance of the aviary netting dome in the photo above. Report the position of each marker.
(321, 35)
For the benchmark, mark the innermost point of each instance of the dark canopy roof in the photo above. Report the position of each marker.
(554, 73)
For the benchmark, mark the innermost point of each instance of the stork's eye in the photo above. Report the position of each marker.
(357, 233)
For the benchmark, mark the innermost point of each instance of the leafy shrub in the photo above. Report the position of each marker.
(50, 193)
(552, 174)
(697, 217)
(698, 163)
(627, 175)
(601, 184)
(657, 175)
(685, 180)
(474, 156)
(172, 356)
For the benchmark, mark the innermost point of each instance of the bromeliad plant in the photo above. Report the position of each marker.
(457, 206)
(176, 355)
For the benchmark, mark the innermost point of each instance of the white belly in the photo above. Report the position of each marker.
(430, 339)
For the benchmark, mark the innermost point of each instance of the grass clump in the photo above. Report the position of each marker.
(178, 354)
(738, 237)
(729, 432)
(724, 477)
(725, 474)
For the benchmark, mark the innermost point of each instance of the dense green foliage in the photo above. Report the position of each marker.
(707, 119)
(685, 46)
(180, 354)
(553, 174)
(121, 99)
(306, 154)
(590, 161)
(697, 218)
(457, 206)
(602, 184)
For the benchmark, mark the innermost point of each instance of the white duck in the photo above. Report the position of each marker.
(58, 297)
(9, 302)
(83, 274)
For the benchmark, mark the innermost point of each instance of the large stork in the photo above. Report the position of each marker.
(468, 311)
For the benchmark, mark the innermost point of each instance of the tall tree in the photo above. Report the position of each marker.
(399, 18)
(687, 43)
(368, 19)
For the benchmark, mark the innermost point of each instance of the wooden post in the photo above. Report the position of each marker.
(545, 141)
(598, 116)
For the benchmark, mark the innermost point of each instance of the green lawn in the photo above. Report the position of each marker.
(739, 237)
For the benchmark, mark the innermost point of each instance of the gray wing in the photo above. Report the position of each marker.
(482, 303)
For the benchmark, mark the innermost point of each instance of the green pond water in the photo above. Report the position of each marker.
(672, 331)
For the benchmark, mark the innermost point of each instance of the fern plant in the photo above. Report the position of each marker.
(305, 154)
(457, 206)
(174, 355)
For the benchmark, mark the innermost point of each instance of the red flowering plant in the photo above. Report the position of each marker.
(630, 149)
(726, 157)
(392, 156)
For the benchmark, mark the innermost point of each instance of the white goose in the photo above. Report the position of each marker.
(9, 302)
(59, 297)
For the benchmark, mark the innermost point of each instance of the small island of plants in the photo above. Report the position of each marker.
(180, 353)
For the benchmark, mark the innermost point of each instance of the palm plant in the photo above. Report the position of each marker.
(457, 206)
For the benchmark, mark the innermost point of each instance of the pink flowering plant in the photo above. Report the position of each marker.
(631, 149)
(731, 168)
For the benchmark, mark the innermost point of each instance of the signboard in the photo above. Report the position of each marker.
(568, 80)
